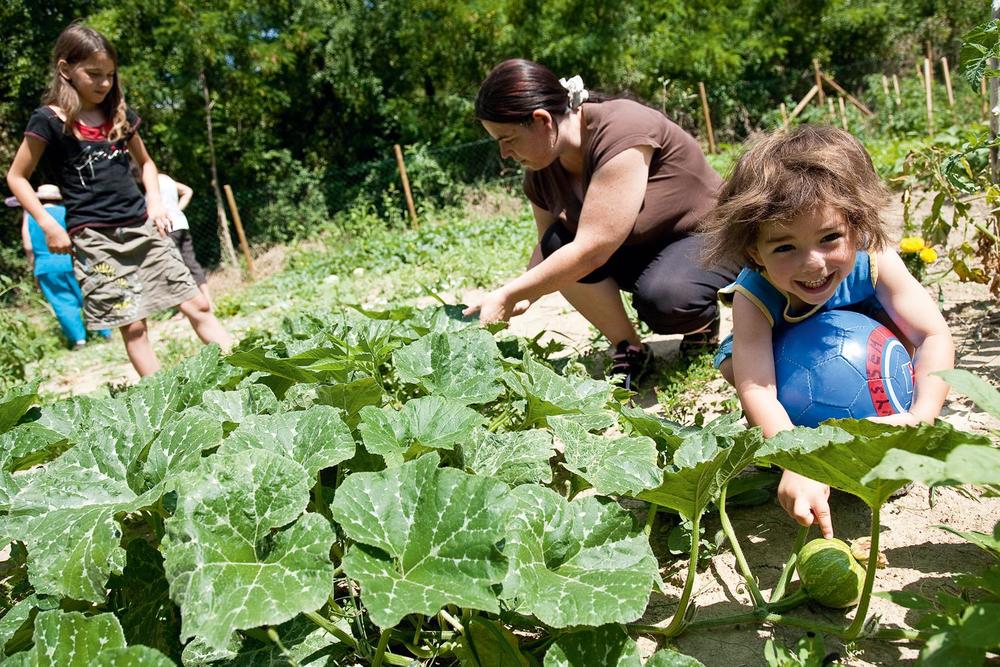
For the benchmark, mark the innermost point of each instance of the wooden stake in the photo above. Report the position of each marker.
(920, 72)
(784, 115)
(947, 80)
(885, 86)
(708, 117)
(244, 246)
(819, 82)
(803, 102)
(928, 81)
(831, 110)
(843, 112)
(895, 87)
(406, 184)
(986, 97)
(850, 98)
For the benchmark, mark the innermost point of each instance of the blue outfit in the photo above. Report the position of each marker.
(856, 292)
(55, 278)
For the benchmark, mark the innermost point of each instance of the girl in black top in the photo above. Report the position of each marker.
(83, 137)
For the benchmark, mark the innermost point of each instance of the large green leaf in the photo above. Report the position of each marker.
(666, 657)
(704, 463)
(966, 464)
(547, 393)
(487, 643)
(979, 390)
(842, 453)
(464, 366)
(230, 555)
(613, 465)
(426, 537)
(518, 457)
(583, 562)
(668, 435)
(179, 445)
(66, 515)
(28, 445)
(19, 614)
(966, 642)
(430, 422)
(70, 639)
(979, 45)
(235, 406)
(133, 656)
(321, 362)
(15, 403)
(606, 646)
(351, 396)
(316, 438)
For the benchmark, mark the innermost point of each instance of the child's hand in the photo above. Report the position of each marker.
(159, 216)
(900, 419)
(58, 240)
(806, 501)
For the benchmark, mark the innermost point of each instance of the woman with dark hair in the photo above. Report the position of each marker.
(618, 192)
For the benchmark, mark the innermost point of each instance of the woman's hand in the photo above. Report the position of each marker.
(805, 501)
(159, 216)
(497, 306)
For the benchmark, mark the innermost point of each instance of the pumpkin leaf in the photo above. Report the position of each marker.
(426, 537)
(463, 366)
(582, 562)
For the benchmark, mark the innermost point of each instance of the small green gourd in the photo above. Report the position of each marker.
(830, 574)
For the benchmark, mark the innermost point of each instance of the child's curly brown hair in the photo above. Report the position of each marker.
(788, 172)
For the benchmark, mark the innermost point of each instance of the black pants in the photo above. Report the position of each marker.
(671, 291)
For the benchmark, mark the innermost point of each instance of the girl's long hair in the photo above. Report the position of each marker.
(75, 44)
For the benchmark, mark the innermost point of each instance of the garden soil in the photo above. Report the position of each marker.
(921, 558)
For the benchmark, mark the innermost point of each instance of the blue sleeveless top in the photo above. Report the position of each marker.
(855, 292)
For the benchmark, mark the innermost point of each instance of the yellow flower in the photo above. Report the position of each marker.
(928, 255)
(911, 244)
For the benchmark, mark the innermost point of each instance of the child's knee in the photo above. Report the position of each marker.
(133, 331)
(726, 368)
(196, 307)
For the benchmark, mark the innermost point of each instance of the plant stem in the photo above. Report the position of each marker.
(331, 628)
(319, 500)
(452, 621)
(866, 593)
(677, 622)
(650, 518)
(741, 561)
(786, 571)
(383, 642)
(754, 616)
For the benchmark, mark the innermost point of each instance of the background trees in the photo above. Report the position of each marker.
(302, 92)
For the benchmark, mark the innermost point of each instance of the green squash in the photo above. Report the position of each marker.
(830, 574)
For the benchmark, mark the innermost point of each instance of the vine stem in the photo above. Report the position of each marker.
(786, 571)
(854, 630)
(650, 518)
(741, 561)
(677, 622)
(754, 616)
(332, 629)
(383, 642)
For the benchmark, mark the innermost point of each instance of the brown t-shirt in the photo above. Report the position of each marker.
(682, 186)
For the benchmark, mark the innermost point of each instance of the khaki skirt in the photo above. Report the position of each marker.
(128, 273)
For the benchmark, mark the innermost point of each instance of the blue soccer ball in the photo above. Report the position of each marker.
(841, 364)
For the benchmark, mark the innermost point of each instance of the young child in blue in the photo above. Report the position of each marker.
(800, 211)
(54, 273)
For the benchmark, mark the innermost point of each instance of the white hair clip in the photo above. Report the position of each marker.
(576, 92)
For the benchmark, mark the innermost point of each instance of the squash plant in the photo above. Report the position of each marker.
(384, 488)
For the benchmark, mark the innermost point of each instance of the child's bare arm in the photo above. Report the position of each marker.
(184, 193)
(918, 318)
(25, 160)
(154, 205)
(804, 499)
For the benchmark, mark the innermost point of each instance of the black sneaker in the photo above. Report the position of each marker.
(701, 341)
(630, 363)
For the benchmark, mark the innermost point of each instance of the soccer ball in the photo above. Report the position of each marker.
(841, 364)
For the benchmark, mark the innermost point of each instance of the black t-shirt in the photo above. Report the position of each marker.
(93, 176)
